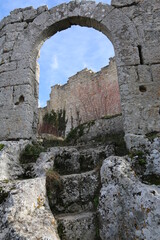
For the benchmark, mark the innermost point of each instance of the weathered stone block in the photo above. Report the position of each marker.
(13, 124)
(8, 46)
(11, 36)
(29, 15)
(30, 207)
(22, 94)
(6, 97)
(124, 3)
(42, 18)
(144, 74)
(71, 191)
(15, 27)
(155, 68)
(67, 162)
(16, 17)
(2, 41)
(150, 54)
(128, 203)
(17, 10)
(8, 67)
(17, 77)
(83, 226)
(89, 187)
(42, 9)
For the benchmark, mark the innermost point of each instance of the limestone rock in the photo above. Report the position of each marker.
(124, 3)
(67, 160)
(24, 211)
(45, 162)
(10, 167)
(128, 209)
(77, 226)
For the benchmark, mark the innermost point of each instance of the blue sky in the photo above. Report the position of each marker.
(67, 52)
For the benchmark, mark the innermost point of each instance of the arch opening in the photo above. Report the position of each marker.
(87, 96)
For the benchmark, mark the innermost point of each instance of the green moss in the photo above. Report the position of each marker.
(96, 201)
(75, 133)
(1, 146)
(139, 155)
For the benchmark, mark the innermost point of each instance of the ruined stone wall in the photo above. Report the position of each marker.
(86, 96)
(131, 25)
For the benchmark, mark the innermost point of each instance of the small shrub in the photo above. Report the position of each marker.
(142, 161)
(1, 146)
(152, 135)
(78, 132)
(54, 123)
(53, 179)
(138, 154)
(31, 153)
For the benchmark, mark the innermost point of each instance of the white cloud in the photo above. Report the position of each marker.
(54, 63)
(41, 103)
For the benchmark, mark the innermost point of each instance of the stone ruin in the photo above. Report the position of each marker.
(131, 25)
(87, 96)
(118, 200)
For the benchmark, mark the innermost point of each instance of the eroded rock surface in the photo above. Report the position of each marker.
(24, 211)
(128, 209)
(73, 187)
(128, 202)
(10, 167)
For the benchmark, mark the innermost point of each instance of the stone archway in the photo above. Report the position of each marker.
(22, 34)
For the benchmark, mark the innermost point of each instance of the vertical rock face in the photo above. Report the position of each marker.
(86, 96)
(10, 167)
(133, 28)
(24, 211)
(128, 209)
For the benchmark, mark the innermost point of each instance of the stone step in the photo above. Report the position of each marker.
(69, 161)
(76, 192)
(82, 226)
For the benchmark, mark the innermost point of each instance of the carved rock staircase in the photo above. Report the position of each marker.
(74, 192)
